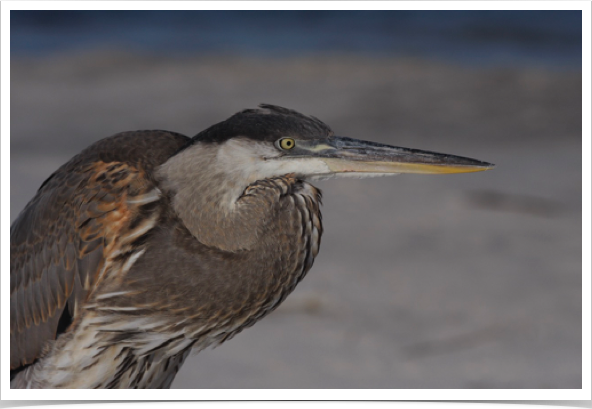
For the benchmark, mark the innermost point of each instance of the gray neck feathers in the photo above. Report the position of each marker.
(205, 196)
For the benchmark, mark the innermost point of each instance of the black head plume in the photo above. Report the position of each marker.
(266, 123)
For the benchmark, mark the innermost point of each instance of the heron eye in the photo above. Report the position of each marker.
(287, 143)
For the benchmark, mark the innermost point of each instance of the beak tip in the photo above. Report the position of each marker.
(484, 167)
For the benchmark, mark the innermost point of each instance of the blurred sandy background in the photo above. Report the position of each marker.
(446, 281)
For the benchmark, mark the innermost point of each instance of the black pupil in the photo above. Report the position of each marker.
(288, 143)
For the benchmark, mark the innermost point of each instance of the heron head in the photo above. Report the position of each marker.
(273, 141)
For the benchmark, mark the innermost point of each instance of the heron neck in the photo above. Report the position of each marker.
(207, 200)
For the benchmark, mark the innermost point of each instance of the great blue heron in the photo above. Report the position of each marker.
(149, 244)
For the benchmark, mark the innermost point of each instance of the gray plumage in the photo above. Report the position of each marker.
(149, 244)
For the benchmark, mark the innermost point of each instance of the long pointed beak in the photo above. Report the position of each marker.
(347, 155)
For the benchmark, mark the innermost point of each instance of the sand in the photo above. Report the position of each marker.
(447, 281)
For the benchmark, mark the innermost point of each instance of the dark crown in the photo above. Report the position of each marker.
(266, 123)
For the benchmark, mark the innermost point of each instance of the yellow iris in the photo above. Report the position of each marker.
(287, 143)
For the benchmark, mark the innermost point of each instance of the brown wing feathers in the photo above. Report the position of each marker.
(61, 240)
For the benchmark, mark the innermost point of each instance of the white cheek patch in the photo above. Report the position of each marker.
(250, 161)
(242, 157)
(303, 167)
